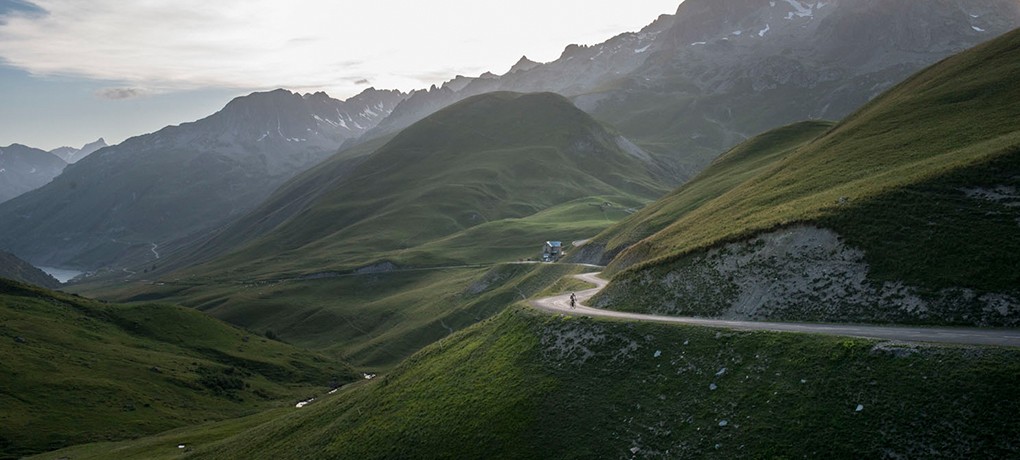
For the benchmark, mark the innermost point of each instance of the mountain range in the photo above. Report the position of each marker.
(719, 72)
(682, 89)
(120, 204)
(23, 169)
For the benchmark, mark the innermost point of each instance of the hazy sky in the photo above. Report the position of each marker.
(74, 70)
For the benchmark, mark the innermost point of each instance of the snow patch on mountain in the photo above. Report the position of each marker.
(801, 10)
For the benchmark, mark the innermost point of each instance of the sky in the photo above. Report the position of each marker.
(72, 71)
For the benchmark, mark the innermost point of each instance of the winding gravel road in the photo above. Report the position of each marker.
(965, 336)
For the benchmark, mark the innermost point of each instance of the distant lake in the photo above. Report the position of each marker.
(61, 274)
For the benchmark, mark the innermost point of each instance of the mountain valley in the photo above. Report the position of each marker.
(297, 276)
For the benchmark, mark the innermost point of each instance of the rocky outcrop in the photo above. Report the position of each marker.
(801, 273)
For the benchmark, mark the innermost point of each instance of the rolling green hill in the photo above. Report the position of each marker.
(487, 159)
(906, 211)
(78, 370)
(527, 385)
(372, 320)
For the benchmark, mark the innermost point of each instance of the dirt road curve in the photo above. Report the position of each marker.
(967, 336)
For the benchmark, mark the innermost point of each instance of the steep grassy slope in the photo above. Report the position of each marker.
(724, 174)
(493, 157)
(524, 385)
(77, 370)
(923, 180)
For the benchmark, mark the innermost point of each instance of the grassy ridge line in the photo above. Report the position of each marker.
(727, 172)
(754, 208)
(957, 114)
(528, 385)
(77, 370)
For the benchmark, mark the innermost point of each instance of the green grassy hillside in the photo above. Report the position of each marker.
(77, 370)
(923, 180)
(372, 320)
(526, 385)
(730, 170)
(487, 159)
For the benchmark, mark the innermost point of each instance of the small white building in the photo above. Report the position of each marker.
(552, 250)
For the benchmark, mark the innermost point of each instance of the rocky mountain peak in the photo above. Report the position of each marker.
(312, 121)
(524, 65)
(73, 155)
(93, 146)
(267, 101)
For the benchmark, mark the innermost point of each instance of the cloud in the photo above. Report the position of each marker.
(20, 6)
(120, 93)
(165, 45)
(362, 81)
